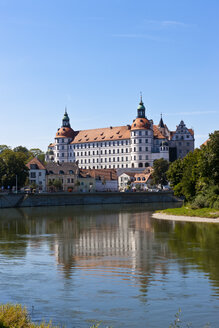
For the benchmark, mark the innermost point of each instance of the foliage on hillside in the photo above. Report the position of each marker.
(196, 177)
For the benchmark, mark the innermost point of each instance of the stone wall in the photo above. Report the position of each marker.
(60, 199)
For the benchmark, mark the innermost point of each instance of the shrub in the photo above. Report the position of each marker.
(16, 316)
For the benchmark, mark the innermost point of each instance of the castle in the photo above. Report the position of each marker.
(130, 146)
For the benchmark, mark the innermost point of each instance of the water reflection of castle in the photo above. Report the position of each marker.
(122, 234)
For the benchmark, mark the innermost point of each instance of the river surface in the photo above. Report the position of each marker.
(77, 265)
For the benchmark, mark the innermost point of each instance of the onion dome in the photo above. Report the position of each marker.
(65, 132)
(140, 124)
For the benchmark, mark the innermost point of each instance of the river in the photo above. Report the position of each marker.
(78, 265)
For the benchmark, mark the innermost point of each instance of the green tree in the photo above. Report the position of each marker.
(3, 147)
(209, 160)
(57, 184)
(175, 172)
(36, 152)
(159, 174)
(12, 164)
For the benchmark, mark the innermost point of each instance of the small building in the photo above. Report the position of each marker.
(103, 179)
(37, 174)
(135, 180)
(61, 176)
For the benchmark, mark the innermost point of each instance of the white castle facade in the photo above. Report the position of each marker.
(130, 146)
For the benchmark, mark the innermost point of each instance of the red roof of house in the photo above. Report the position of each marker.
(37, 162)
(106, 174)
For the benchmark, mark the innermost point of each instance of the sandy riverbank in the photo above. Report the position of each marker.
(162, 216)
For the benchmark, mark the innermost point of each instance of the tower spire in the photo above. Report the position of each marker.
(141, 108)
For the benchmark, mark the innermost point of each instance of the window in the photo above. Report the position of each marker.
(140, 140)
(139, 133)
(114, 151)
(140, 149)
(146, 148)
(33, 175)
(126, 150)
(63, 154)
(40, 174)
(140, 157)
(105, 159)
(126, 159)
(58, 155)
(134, 141)
(134, 148)
(61, 172)
(187, 143)
(68, 180)
(146, 140)
(114, 159)
(117, 143)
(117, 150)
(117, 159)
(63, 147)
(81, 153)
(105, 151)
(109, 151)
(187, 136)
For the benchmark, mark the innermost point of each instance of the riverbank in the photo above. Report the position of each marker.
(60, 199)
(188, 214)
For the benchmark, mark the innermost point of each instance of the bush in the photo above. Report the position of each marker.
(16, 316)
(208, 197)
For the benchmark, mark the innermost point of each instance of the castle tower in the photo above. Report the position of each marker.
(141, 139)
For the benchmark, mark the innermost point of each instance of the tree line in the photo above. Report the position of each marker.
(13, 167)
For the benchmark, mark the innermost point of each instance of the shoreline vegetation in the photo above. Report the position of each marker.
(186, 213)
(16, 316)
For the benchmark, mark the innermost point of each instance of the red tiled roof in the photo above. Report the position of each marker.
(106, 174)
(65, 132)
(157, 133)
(104, 134)
(35, 161)
(140, 124)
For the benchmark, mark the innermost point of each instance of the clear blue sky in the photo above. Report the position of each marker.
(95, 56)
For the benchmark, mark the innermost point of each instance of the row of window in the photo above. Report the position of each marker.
(140, 149)
(101, 152)
(139, 141)
(101, 160)
(141, 133)
(140, 157)
(114, 166)
(95, 144)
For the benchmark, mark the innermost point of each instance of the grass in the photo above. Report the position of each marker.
(187, 211)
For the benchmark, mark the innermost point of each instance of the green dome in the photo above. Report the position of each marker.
(65, 117)
(141, 106)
